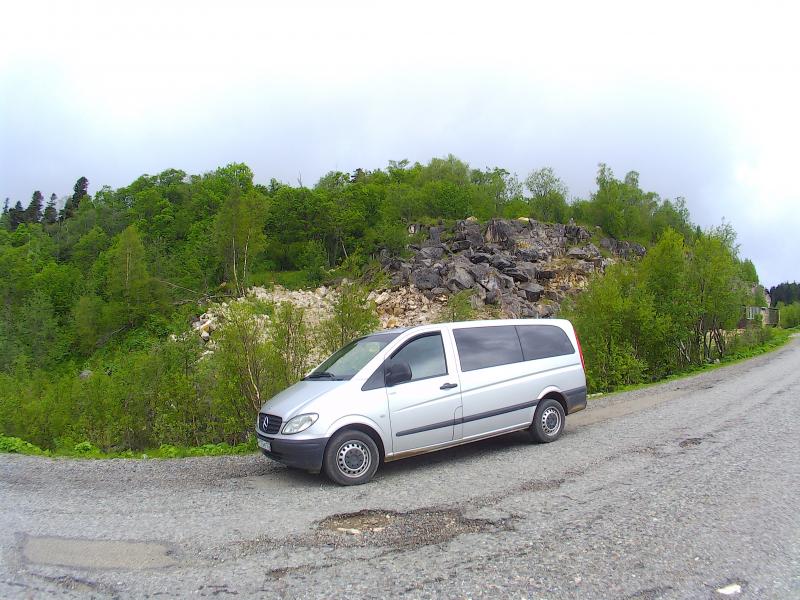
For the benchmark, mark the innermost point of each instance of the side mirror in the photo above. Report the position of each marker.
(397, 372)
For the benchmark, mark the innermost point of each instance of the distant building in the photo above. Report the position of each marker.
(769, 316)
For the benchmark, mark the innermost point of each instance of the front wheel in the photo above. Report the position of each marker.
(351, 458)
(548, 421)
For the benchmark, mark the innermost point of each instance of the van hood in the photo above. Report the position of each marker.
(292, 400)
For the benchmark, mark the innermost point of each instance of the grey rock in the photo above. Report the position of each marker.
(480, 271)
(532, 291)
(501, 262)
(528, 268)
(459, 279)
(578, 253)
(500, 232)
(516, 275)
(546, 274)
(432, 252)
(480, 257)
(426, 278)
(530, 255)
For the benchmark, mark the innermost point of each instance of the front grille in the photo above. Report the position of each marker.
(273, 423)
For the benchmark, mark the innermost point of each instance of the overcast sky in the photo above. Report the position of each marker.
(703, 99)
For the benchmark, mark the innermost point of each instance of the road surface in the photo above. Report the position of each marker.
(674, 491)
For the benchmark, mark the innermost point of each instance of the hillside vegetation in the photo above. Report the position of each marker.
(97, 296)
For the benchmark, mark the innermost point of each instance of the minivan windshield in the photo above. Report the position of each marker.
(348, 361)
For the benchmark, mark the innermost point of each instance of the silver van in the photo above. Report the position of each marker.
(402, 392)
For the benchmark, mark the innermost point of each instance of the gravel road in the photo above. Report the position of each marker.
(675, 491)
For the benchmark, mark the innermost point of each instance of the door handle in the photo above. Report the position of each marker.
(448, 386)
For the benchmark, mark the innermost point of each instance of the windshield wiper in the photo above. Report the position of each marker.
(321, 375)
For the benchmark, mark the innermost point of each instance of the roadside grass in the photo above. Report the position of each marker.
(13, 445)
(779, 338)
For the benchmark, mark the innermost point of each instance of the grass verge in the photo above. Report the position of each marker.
(15, 445)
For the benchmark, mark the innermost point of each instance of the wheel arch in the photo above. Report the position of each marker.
(364, 428)
(557, 395)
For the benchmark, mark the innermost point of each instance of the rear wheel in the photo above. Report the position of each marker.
(548, 421)
(351, 458)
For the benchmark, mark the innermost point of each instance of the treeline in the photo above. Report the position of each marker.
(786, 293)
(99, 284)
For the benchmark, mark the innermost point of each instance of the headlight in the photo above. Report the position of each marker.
(299, 423)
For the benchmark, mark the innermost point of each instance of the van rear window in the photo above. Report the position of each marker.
(543, 341)
(482, 347)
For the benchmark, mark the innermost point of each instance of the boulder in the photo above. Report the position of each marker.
(479, 271)
(577, 253)
(516, 275)
(500, 232)
(528, 268)
(532, 291)
(432, 252)
(480, 257)
(576, 233)
(529, 255)
(460, 245)
(546, 274)
(459, 279)
(500, 262)
(426, 278)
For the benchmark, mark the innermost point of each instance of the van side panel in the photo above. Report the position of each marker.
(507, 395)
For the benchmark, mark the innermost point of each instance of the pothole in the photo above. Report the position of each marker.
(688, 442)
(419, 527)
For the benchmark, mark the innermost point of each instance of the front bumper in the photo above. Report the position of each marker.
(301, 454)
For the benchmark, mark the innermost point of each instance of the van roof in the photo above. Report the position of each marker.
(481, 323)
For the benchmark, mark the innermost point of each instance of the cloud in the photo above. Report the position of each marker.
(699, 98)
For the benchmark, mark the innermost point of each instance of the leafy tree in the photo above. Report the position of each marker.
(240, 236)
(548, 196)
(130, 289)
(353, 315)
(291, 343)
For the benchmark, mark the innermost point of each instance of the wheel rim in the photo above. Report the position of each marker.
(353, 458)
(551, 421)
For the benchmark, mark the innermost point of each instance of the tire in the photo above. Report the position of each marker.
(548, 422)
(351, 458)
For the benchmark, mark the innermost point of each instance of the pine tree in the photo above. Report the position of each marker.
(74, 202)
(50, 212)
(16, 216)
(33, 214)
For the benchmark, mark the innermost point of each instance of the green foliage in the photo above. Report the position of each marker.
(643, 321)
(353, 315)
(291, 343)
(459, 307)
(13, 445)
(789, 315)
(95, 302)
(787, 293)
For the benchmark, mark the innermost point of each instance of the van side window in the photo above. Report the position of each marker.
(482, 347)
(425, 356)
(543, 341)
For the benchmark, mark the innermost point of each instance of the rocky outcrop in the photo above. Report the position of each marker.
(524, 267)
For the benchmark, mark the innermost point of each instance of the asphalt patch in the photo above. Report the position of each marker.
(96, 554)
